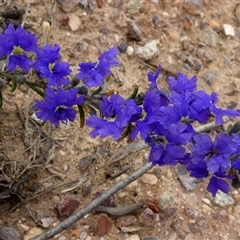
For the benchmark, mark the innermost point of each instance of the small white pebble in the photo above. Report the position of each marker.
(130, 50)
(165, 14)
(207, 201)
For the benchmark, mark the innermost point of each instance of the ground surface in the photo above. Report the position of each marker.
(191, 39)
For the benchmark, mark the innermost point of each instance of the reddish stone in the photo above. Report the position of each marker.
(104, 224)
(67, 206)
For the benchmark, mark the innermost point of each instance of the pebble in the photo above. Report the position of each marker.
(125, 221)
(193, 7)
(104, 224)
(33, 233)
(86, 189)
(46, 222)
(177, 53)
(83, 235)
(229, 30)
(133, 237)
(170, 212)
(207, 201)
(198, 226)
(149, 179)
(209, 37)
(197, 64)
(122, 46)
(176, 225)
(148, 217)
(191, 212)
(85, 162)
(134, 6)
(156, 21)
(209, 77)
(185, 44)
(9, 233)
(165, 14)
(206, 208)
(130, 229)
(130, 50)
(109, 202)
(165, 200)
(148, 51)
(188, 182)
(134, 32)
(67, 206)
(223, 199)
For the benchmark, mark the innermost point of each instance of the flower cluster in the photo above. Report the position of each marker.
(164, 121)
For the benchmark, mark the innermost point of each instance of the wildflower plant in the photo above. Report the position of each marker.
(164, 121)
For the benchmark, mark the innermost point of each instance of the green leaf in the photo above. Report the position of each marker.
(14, 84)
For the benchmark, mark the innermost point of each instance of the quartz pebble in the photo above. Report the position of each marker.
(130, 50)
(207, 201)
(148, 51)
(229, 30)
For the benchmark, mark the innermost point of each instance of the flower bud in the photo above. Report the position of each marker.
(139, 98)
(83, 90)
(21, 79)
(75, 81)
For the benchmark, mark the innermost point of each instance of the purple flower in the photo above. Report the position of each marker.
(216, 153)
(19, 60)
(57, 105)
(48, 67)
(130, 112)
(16, 42)
(48, 54)
(152, 78)
(151, 101)
(182, 83)
(216, 184)
(93, 74)
(168, 154)
(236, 164)
(198, 170)
(143, 128)
(12, 38)
(110, 107)
(103, 128)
